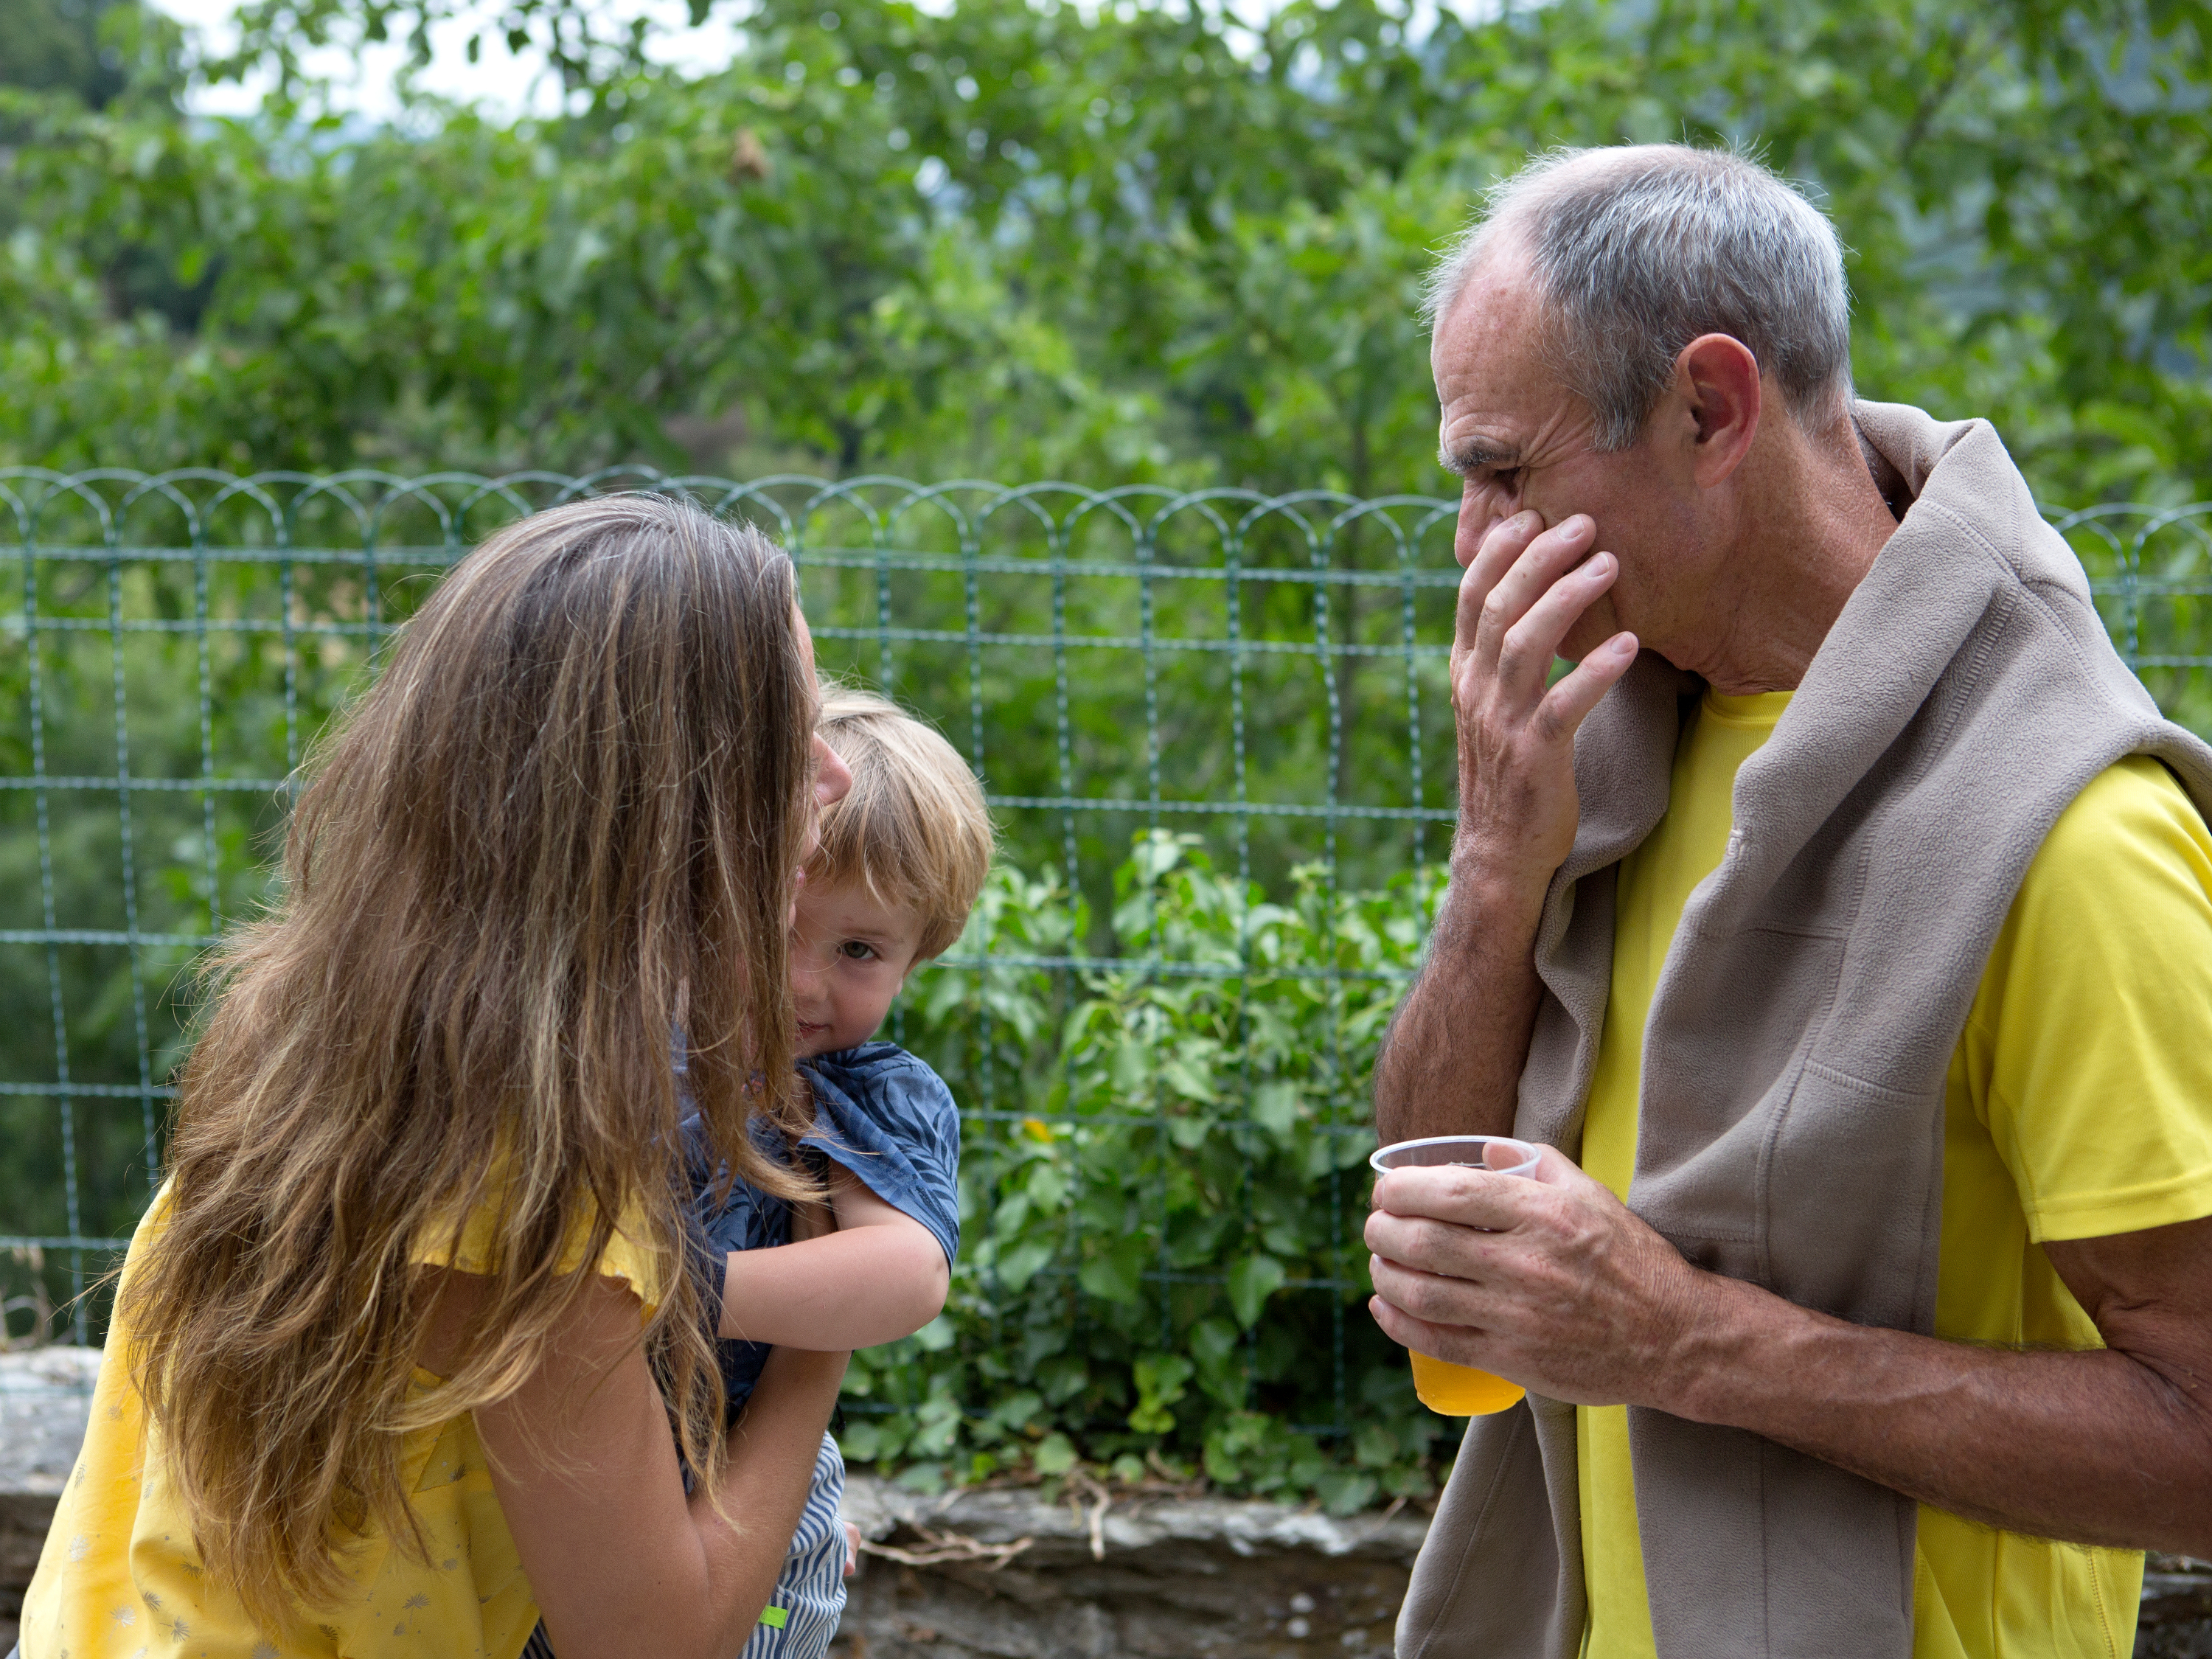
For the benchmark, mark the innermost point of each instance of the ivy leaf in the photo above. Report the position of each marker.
(1251, 1282)
(1346, 1491)
(1161, 1380)
(1054, 1455)
(1133, 1063)
(1020, 1264)
(1275, 1107)
(1116, 1274)
(1186, 1077)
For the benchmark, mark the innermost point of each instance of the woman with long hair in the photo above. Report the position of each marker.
(396, 1349)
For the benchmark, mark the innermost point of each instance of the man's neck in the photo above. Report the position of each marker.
(1812, 530)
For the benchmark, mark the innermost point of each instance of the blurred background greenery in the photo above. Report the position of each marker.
(1009, 239)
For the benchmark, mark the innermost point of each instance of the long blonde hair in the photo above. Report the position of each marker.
(566, 818)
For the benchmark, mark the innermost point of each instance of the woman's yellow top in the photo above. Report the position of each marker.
(119, 1576)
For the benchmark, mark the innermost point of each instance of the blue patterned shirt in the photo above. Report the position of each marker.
(879, 1113)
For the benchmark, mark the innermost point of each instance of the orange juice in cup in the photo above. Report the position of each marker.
(1448, 1389)
(1452, 1390)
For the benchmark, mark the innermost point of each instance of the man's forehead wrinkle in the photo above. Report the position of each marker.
(1502, 404)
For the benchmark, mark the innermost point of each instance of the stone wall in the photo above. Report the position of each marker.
(1225, 1580)
(1007, 1575)
(1001, 1574)
(44, 1396)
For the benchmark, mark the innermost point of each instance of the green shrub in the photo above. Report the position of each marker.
(1163, 1186)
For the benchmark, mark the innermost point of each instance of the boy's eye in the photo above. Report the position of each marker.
(853, 951)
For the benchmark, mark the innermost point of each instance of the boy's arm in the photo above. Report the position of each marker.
(882, 1275)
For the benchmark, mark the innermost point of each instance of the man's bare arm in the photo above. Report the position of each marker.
(2121, 1441)
(1573, 1296)
(1451, 1062)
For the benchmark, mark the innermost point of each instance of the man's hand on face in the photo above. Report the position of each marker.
(1451, 1063)
(1565, 1291)
(1525, 587)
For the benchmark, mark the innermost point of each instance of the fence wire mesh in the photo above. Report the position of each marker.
(1251, 687)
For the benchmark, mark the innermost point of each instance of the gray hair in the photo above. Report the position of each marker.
(1637, 250)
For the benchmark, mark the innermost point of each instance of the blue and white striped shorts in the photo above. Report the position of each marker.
(810, 1591)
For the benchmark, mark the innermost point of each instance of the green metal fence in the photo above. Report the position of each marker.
(1263, 675)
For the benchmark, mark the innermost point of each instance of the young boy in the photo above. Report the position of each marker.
(902, 860)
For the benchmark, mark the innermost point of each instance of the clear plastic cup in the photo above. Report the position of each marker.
(1452, 1390)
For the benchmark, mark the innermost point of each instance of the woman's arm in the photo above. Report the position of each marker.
(882, 1275)
(623, 1566)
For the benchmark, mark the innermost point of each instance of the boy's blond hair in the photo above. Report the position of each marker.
(913, 831)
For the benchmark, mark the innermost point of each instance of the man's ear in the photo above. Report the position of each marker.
(1718, 379)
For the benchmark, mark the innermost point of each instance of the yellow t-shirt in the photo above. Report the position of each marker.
(2079, 1103)
(119, 1576)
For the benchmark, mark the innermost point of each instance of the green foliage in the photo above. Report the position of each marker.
(1114, 243)
(1163, 1188)
(91, 51)
(170, 867)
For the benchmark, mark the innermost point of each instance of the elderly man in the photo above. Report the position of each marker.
(1846, 913)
